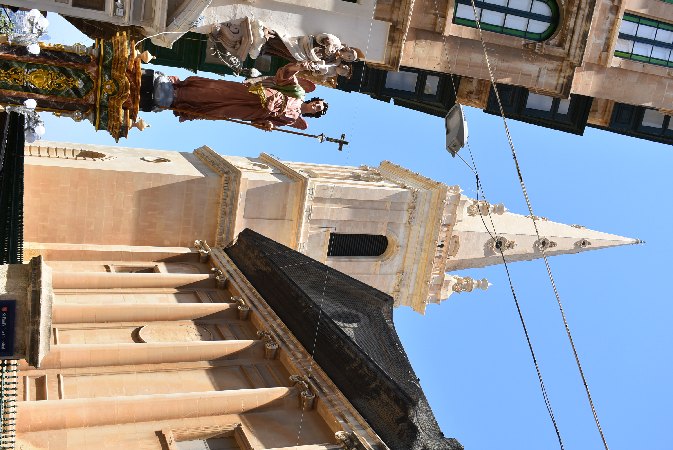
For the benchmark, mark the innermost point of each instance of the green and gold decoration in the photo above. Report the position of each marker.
(101, 84)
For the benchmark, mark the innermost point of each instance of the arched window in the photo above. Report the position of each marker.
(645, 40)
(530, 19)
(356, 244)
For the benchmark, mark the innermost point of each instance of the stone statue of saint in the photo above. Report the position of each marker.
(327, 56)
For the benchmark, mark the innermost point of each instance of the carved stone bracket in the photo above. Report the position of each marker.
(243, 308)
(306, 395)
(270, 344)
(468, 284)
(204, 250)
(454, 245)
(543, 244)
(411, 208)
(582, 243)
(484, 208)
(220, 278)
(367, 174)
(501, 244)
(346, 440)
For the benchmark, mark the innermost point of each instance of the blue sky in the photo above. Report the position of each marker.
(470, 352)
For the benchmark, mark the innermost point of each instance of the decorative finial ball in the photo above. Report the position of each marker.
(39, 130)
(34, 49)
(30, 103)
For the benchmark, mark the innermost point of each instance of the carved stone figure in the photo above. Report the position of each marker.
(266, 104)
(328, 57)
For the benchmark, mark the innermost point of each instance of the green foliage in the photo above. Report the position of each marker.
(6, 24)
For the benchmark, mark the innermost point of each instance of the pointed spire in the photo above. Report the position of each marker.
(515, 235)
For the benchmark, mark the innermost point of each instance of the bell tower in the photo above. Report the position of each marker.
(391, 228)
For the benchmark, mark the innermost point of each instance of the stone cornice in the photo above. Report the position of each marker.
(231, 182)
(397, 37)
(429, 212)
(298, 215)
(334, 407)
(447, 223)
(284, 168)
(400, 175)
(40, 300)
(433, 219)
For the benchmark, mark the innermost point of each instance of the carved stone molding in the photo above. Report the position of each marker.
(220, 278)
(484, 208)
(468, 284)
(454, 245)
(270, 344)
(171, 436)
(346, 440)
(543, 244)
(401, 176)
(300, 177)
(371, 175)
(203, 249)
(500, 244)
(243, 308)
(411, 207)
(582, 243)
(306, 394)
(231, 181)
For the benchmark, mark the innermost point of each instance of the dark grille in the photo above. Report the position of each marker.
(11, 188)
(355, 341)
(356, 244)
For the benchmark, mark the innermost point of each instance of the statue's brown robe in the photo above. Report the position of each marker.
(203, 98)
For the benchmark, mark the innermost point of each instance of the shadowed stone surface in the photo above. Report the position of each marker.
(356, 344)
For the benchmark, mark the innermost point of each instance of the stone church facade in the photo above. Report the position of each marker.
(194, 349)
(386, 226)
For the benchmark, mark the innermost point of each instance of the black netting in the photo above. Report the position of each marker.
(11, 188)
(356, 344)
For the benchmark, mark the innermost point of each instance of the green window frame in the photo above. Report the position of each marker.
(645, 40)
(535, 20)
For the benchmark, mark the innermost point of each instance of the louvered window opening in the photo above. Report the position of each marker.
(11, 188)
(341, 244)
(530, 19)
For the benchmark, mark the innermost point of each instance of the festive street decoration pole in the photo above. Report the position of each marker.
(100, 83)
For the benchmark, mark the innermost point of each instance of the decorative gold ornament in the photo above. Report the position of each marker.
(109, 87)
(40, 78)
